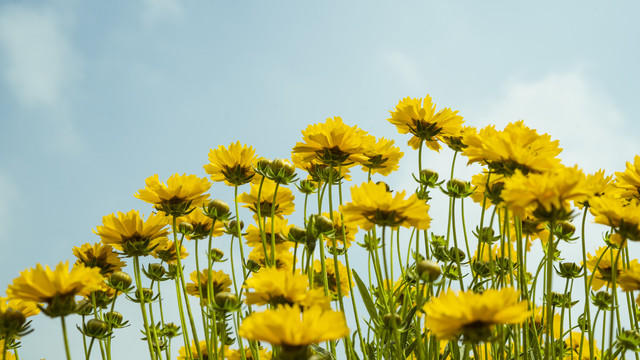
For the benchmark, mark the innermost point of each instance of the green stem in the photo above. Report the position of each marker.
(64, 336)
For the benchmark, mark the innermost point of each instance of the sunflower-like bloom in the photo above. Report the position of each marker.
(604, 269)
(279, 286)
(371, 204)
(629, 280)
(283, 202)
(57, 288)
(26, 308)
(219, 280)
(473, 315)
(517, 147)
(419, 117)
(350, 231)
(233, 165)
(572, 343)
(284, 257)
(202, 346)
(548, 195)
(233, 354)
(332, 143)
(332, 279)
(597, 185)
(279, 227)
(289, 326)
(629, 180)
(13, 317)
(492, 192)
(131, 234)
(201, 224)
(178, 196)
(623, 216)
(100, 256)
(319, 172)
(381, 156)
(166, 251)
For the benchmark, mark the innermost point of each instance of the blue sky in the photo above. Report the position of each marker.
(97, 96)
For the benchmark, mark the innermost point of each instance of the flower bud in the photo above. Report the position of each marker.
(217, 210)
(429, 178)
(231, 227)
(155, 272)
(171, 330)
(253, 266)
(392, 320)
(115, 319)
(458, 189)
(629, 340)
(307, 187)
(96, 329)
(147, 295)
(11, 322)
(569, 270)
(84, 307)
(602, 300)
(323, 224)
(185, 228)
(216, 255)
(297, 234)
(120, 281)
(481, 269)
(428, 270)
(457, 254)
(226, 301)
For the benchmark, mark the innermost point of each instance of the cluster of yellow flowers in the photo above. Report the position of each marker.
(293, 283)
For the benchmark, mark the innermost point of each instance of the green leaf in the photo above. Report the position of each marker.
(364, 293)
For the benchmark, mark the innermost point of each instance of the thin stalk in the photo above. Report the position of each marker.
(64, 336)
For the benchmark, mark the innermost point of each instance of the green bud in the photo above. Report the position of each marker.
(217, 210)
(428, 271)
(120, 281)
(297, 235)
(96, 329)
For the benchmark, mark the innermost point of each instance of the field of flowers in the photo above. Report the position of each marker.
(476, 291)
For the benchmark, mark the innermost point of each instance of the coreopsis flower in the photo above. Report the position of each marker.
(100, 256)
(131, 234)
(541, 323)
(517, 147)
(371, 204)
(278, 226)
(473, 315)
(219, 280)
(166, 251)
(202, 347)
(418, 117)
(491, 192)
(201, 225)
(281, 286)
(547, 195)
(350, 230)
(629, 280)
(332, 279)
(572, 343)
(319, 172)
(629, 180)
(597, 185)
(288, 326)
(283, 202)
(622, 215)
(332, 143)
(13, 317)
(178, 196)
(284, 257)
(604, 268)
(57, 288)
(381, 156)
(233, 354)
(233, 165)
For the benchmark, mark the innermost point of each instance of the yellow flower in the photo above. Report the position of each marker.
(280, 228)
(166, 251)
(281, 286)
(232, 354)
(382, 157)
(26, 308)
(194, 351)
(620, 214)
(219, 280)
(100, 256)
(288, 326)
(332, 279)
(10, 355)
(284, 258)
(332, 143)
(130, 234)
(201, 225)
(479, 182)
(597, 185)
(541, 323)
(283, 202)
(371, 204)
(179, 195)
(319, 172)
(418, 116)
(548, 194)
(629, 280)
(42, 285)
(517, 147)
(604, 268)
(473, 315)
(350, 231)
(629, 180)
(233, 165)
(572, 342)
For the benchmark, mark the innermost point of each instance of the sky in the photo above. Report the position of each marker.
(97, 96)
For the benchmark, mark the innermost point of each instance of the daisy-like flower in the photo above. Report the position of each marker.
(491, 192)
(620, 214)
(517, 147)
(233, 354)
(597, 185)
(13, 317)
(279, 227)
(284, 257)
(279, 286)
(131, 234)
(629, 180)
(474, 315)
(332, 279)
(201, 225)
(371, 204)
(166, 251)
(100, 256)
(233, 165)
(572, 343)
(381, 156)
(178, 196)
(418, 117)
(604, 269)
(548, 195)
(57, 288)
(629, 280)
(319, 172)
(350, 231)
(283, 202)
(288, 326)
(332, 143)
(219, 280)
(201, 347)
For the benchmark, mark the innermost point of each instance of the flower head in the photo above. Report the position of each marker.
(281, 286)
(473, 315)
(289, 326)
(201, 225)
(283, 201)
(630, 278)
(419, 117)
(131, 234)
(622, 215)
(166, 251)
(278, 226)
(341, 241)
(381, 156)
(100, 256)
(193, 350)
(233, 165)
(332, 278)
(220, 283)
(178, 196)
(371, 204)
(602, 264)
(284, 257)
(232, 354)
(629, 180)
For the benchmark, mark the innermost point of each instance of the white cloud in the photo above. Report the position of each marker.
(161, 10)
(591, 130)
